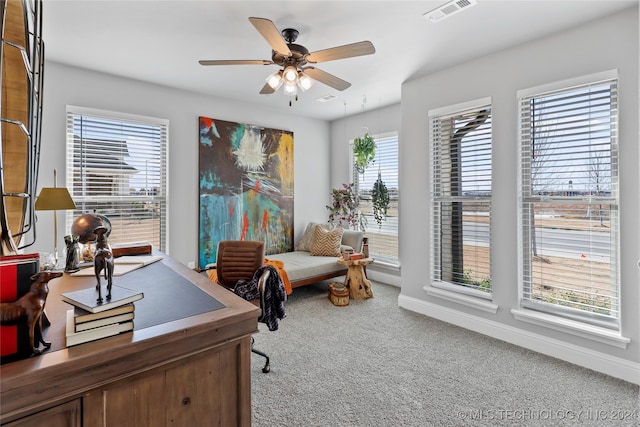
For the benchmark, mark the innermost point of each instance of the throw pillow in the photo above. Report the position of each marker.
(326, 242)
(307, 239)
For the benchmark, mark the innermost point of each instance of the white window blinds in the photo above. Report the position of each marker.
(383, 238)
(117, 167)
(569, 201)
(460, 141)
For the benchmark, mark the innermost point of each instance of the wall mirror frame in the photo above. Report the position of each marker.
(21, 78)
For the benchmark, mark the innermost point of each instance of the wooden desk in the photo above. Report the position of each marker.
(356, 280)
(185, 372)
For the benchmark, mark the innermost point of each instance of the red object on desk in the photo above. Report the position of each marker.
(15, 273)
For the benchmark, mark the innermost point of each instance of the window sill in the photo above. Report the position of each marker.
(384, 264)
(573, 327)
(467, 300)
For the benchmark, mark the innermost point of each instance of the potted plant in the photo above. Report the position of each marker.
(344, 211)
(380, 200)
(364, 152)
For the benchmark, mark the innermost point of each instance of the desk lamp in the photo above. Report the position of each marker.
(54, 199)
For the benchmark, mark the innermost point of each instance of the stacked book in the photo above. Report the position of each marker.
(137, 248)
(89, 321)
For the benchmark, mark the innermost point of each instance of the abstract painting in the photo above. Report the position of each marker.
(246, 186)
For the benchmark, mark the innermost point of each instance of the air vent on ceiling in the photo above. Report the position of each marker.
(326, 98)
(448, 9)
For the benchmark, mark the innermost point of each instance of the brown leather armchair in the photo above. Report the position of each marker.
(239, 260)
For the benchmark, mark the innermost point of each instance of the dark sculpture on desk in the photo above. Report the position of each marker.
(85, 225)
(73, 253)
(103, 260)
(30, 308)
(94, 227)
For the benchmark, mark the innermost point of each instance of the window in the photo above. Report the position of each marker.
(117, 167)
(461, 197)
(383, 239)
(569, 200)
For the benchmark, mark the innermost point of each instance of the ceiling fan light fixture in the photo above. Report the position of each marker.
(290, 89)
(291, 58)
(290, 74)
(304, 81)
(275, 80)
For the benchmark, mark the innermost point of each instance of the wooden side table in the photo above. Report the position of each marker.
(356, 281)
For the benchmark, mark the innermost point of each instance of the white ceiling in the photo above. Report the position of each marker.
(162, 41)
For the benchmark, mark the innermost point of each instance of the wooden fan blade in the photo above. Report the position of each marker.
(236, 62)
(340, 52)
(271, 35)
(326, 78)
(266, 89)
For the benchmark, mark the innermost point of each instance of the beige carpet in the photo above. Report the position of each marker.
(372, 363)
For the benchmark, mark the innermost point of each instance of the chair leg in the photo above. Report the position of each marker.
(266, 367)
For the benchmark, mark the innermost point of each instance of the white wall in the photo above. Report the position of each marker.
(608, 43)
(66, 85)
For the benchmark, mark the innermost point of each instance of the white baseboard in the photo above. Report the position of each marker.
(379, 276)
(600, 362)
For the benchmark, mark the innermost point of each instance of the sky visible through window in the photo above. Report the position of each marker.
(141, 151)
(571, 142)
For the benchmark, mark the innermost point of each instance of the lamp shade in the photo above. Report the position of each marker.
(304, 81)
(275, 80)
(290, 74)
(53, 199)
(290, 89)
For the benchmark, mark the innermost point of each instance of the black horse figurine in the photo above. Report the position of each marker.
(103, 259)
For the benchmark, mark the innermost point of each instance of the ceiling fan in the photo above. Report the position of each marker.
(294, 60)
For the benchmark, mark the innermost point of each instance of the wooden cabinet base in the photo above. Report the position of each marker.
(65, 415)
(197, 391)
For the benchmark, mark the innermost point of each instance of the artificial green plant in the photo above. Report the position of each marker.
(380, 200)
(364, 152)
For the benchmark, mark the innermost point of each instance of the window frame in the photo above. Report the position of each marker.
(372, 226)
(446, 289)
(159, 200)
(569, 317)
